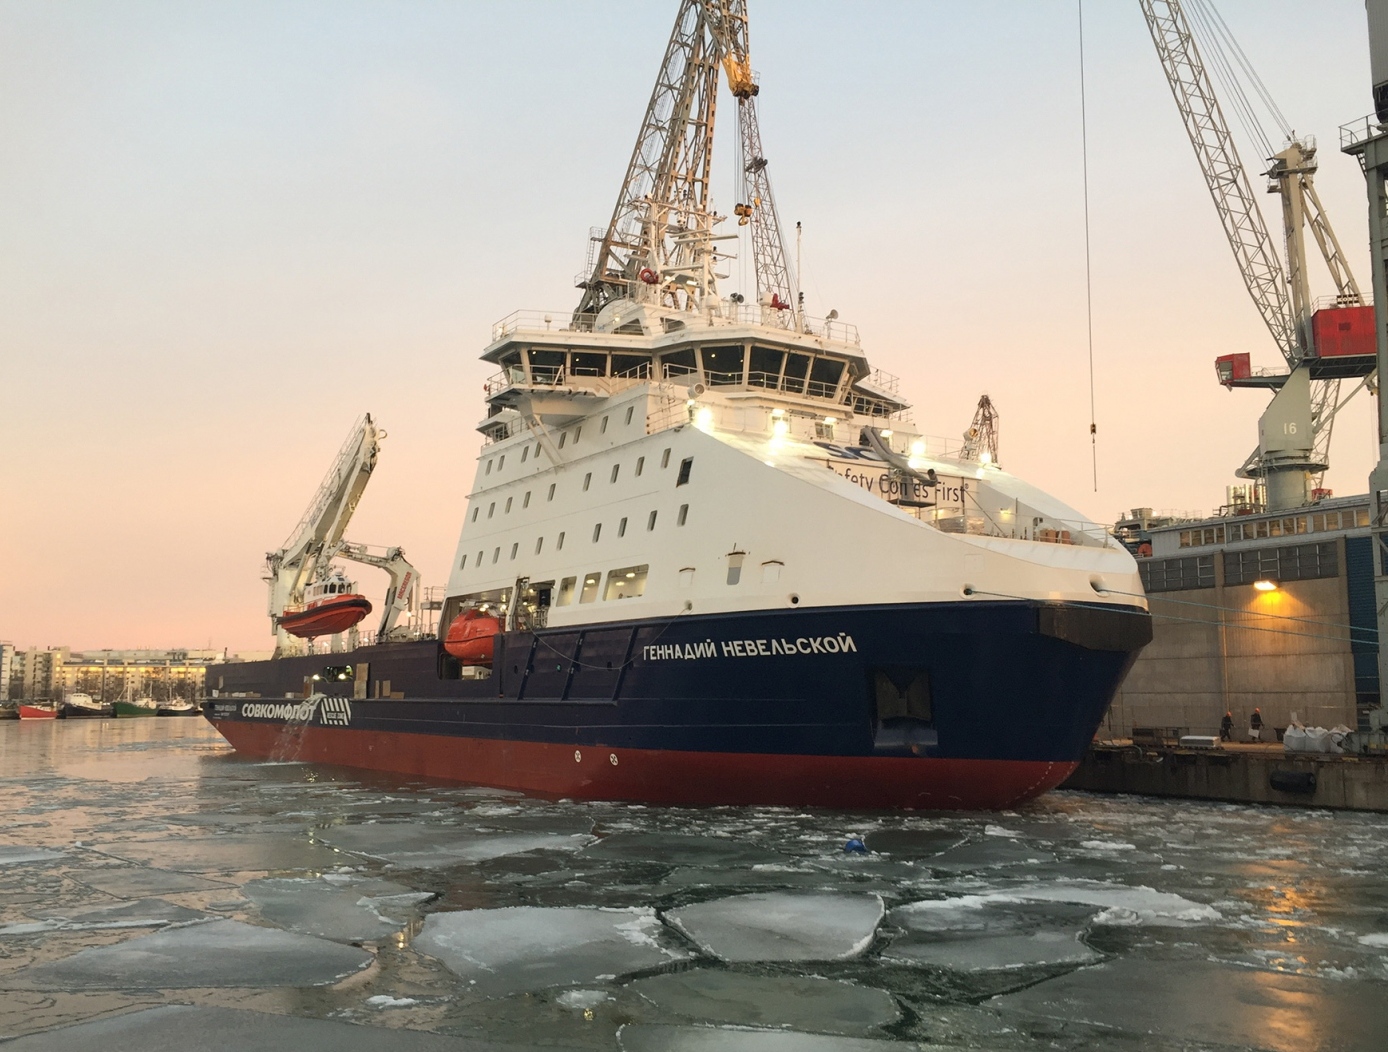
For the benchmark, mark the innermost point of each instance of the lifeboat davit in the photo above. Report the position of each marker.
(471, 638)
(332, 606)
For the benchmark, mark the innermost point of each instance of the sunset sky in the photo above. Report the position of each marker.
(231, 228)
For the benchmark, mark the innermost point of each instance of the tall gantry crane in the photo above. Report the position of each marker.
(1319, 347)
(660, 241)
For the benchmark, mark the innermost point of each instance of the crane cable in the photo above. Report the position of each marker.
(1088, 279)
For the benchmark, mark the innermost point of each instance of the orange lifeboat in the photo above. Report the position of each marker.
(471, 638)
(331, 606)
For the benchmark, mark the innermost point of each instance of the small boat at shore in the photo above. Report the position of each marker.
(38, 710)
(176, 707)
(84, 706)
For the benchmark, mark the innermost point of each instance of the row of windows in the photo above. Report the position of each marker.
(1291, 526)
(628, 582)
(1288, 562)
(680, 519)
(732, 364)
(500, 462)
(686, 468)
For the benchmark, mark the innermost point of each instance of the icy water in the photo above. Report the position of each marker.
(158, 892)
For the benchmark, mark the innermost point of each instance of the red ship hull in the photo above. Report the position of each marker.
(327, 617)
(37, 712)
(660, 776)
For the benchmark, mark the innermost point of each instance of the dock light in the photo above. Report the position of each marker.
(885, 434)
(779, 427)
(830, 421)
(778, 413)
(1265, 585)
(704, 419)
(917, 449)
(987, 458)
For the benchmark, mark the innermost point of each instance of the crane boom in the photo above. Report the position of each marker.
(661, 231)
(1224, 173)
(402, 595)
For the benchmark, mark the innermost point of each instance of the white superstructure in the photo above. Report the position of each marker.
(638, 468)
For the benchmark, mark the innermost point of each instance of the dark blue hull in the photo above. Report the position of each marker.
(1018, 681)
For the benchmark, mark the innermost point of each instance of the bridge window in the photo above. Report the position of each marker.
(622, 527)
(597, 531)
(501, 462)
(631, 409)
(489, 468)
(615, 469)
(824, 376)
(630, 364)
(559, 544)
(640, 465)
(587, 479)
(563, 437)
(797, 368)
(683, 516)
(479, 559)
(514, 549)
(525, 501)
(723, 365)
(764, 367)
(463, 565)
(588, 363)
(475, 511)
(665, 459)
(508, 505)
(678, 363)
(603, 429)
(539, 543)
(686, 466)
(551, 491)
(491, 509)
(525, 453)
(496, 555)
(650, 523)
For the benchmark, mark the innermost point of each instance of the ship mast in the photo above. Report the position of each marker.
(660, 244)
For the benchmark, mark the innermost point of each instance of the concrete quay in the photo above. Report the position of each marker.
(1244, 773)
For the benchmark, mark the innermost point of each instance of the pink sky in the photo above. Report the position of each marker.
(230, 231)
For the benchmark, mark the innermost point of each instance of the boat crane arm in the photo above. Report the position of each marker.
(291, 568)
(403, 595)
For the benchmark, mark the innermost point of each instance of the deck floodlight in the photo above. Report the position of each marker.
(1265, 584)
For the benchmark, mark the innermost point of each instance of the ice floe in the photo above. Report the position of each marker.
(782, 926)
(1119, 904)
(221, 953)
(147, 913)
(680, 850)
(516, 948)
(14, 854)
(799, 1002)
(345, 910)
(636, 1037)
(1376, 940)
(994, 952)
(431, 847)
(183, 1028)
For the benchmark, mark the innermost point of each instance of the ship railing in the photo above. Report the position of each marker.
(541, 321)
(738, 313)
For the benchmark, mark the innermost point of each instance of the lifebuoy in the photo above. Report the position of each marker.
(648, 276)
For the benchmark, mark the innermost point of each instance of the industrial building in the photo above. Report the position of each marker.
(1273, 610)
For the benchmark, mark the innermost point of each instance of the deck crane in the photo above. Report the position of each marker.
(981, 439)
(660, 241)
(1320, 347)
(308, 553)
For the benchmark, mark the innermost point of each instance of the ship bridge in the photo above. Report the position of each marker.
(568, 368)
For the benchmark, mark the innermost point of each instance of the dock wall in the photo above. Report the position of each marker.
(1243, 776)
